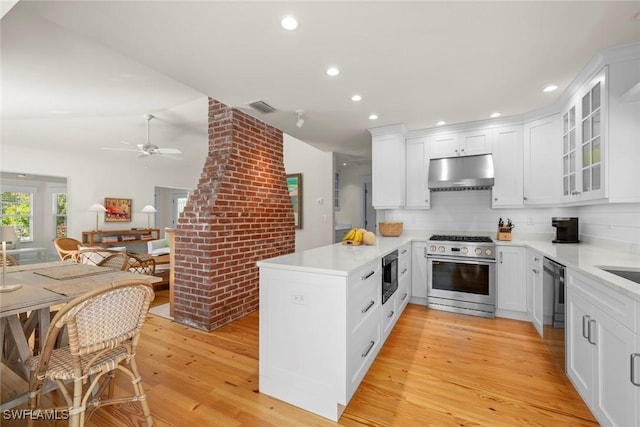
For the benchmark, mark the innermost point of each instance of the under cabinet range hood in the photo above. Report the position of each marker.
(461, 173)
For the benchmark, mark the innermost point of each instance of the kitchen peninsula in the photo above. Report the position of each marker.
(322, 321)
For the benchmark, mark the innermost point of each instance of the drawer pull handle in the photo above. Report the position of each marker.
(366, 276)
(404, 297)
(591, 330)
(584, 328)
(368, 350)
(633, 369)
(391, 313)
(367, 308)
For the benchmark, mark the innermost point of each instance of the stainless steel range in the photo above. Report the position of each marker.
(461, 274)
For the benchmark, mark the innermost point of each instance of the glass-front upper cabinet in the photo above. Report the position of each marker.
(584, 139)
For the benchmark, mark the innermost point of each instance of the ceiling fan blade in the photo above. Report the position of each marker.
(167, 151)
(119, 149)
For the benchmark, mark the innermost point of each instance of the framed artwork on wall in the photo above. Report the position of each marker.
(294, 185)
(118, 210)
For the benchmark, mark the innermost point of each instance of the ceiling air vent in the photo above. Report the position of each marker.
(262, 107)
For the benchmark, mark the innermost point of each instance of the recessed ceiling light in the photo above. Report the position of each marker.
(441, 123)
(496, 114)
(344, 163)
(289, 23)
(373, 117)
(332, 71)
(356, 98)
(550, 88)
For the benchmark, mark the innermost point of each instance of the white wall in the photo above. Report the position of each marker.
(619, 222)
(316, 168)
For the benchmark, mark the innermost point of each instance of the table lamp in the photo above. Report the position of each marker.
(8, 234)
(97, 208)
(149, 210)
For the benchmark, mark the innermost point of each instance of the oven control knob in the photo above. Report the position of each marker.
(478, 251)
(488, 251)
(432, 248)
(441, 249)
(464, 251)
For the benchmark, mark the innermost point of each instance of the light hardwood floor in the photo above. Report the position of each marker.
(436, 369)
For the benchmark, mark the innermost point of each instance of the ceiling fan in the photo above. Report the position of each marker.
(150, 149)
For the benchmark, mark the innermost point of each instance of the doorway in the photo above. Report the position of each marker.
(369, 213)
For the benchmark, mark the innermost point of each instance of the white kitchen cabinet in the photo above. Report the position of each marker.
(388, 166)
(417, 173)
(461, 144)
(319, 334)
(511, 283)
(534, 289)
(418, 273)
(507, 165)
(404, 276)
(584, 141)
(542, 161)
(601, 344)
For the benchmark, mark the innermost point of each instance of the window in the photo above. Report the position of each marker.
(17, 210)
(60, 213)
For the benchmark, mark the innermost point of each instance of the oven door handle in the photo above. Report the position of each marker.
(462, 260)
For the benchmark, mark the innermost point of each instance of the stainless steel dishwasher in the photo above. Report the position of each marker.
(553, 298)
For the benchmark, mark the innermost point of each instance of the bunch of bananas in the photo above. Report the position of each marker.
(354, 235)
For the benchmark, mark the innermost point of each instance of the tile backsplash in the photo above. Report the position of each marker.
(470, 211)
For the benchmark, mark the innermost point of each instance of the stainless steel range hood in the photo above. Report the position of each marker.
(461, 173)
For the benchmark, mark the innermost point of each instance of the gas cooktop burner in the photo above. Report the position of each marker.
(453, 238)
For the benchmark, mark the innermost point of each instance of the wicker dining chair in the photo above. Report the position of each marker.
(66, 246)
(11, 261)
(118, 260)
(103, 328)
(95, 256)
(142, 265)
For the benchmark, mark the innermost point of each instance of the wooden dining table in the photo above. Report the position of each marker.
(26, 312)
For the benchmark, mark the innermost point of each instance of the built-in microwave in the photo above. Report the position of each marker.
(389, 275)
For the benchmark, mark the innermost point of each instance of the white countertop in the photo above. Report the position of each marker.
(336, 260)
(583, 257)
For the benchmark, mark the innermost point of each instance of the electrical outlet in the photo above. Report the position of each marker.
(299, 299)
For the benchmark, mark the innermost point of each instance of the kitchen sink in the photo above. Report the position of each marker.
(632, 274)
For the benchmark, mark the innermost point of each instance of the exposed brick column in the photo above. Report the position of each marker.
(240, 213)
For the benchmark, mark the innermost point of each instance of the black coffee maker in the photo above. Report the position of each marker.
(566, 230)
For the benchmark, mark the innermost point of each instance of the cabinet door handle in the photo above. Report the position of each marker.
(584, 328)
(534, 270)
(404, 251)
(368, 349)
(403, 271)
(367, 308)
(366, 276)
(536, 259)
(495, 199)
(391, 313)
(404, 297)
(525, 198)
(501, 257)
(591, 330)
(633, 369)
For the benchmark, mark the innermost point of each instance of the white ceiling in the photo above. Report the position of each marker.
(102, 65)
